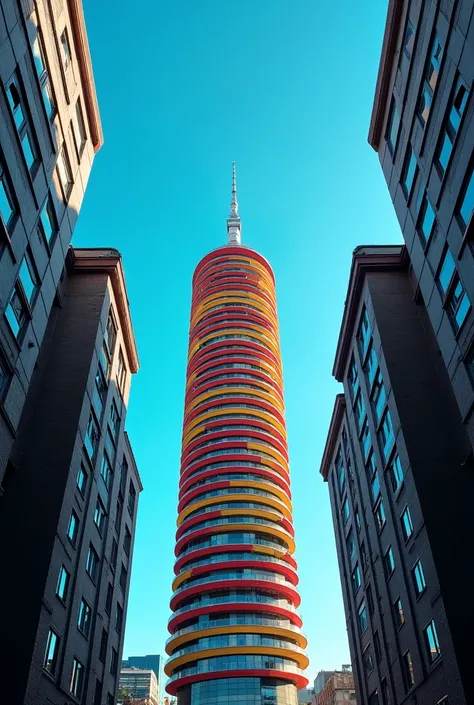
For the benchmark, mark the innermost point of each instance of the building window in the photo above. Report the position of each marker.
(408, 40)
(393, 127)
(377, 647)
(77, 678)
(118, 514)
(42, 73)
(432, 642)
(356, 579)
(106, 471)
(99, 516)
(362, 618)
(386, 699)
(81, 479)
(91, 440)
(98, 692)
(110, 335)
(100, 392)
(48, 224)
(409, 171)
(363, 556)
(364, 333)
(353, 377)
(111, 700)
(375, 488)
(123, 579)
(28, 278)
(104, 361)
(92, 563)
(121, 373)
(380, 516)
(119, 618)
(418, 576)
(115, 420)
(370, 599)
(386, 436)
(367, 661)
(5, 375)
(16, 312)
(113, 662)
(340, 472)
(467, 204)
(395, 471)
(426, 220)
(346, 512)
(388, 562)
(456, 301)
(65, 50)
(73, 528)
(357, 520)
(374, 698)
(407, 525)
(25, 133)
(51, 652)
(359, 411)
(379, 396)
(127, 541)
(430, 80)
(132, 495)
(371, 365)
(108, 599)
(451, 128)
(8, 211)
(366, 439)
(79, 129)
(84, 618)
(409, 676)
(103, 646)
(64, 172)
(398, 613)
(113, 555)
(62, 587)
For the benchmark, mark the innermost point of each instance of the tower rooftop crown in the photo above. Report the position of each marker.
(233, 221)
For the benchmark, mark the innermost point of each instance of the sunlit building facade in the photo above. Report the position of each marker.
(235, 628)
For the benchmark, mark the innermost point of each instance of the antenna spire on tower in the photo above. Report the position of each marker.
(233, 221)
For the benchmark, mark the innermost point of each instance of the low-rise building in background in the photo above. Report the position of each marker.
(138, 686)
(338, 689)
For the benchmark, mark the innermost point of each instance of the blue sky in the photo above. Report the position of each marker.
(286, 90)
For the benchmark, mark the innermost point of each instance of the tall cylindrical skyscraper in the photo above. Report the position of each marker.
(235, 630)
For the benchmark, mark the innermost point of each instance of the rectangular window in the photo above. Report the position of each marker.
(114, 554)
(430, 80)
(375, 488)
(418, 576)
(432, 642)
(62, 587)
(109, 597)
(366, 439)
(407, 525)
(115, 420)
(467, 204)
(426, 220)
(64, 172)
(113, 662)
(377, 647)
(371, 365)
(110, 445)
(379, 396)
(395, 471)
(106, 471)
(370, 599)
(362, 618)
(357, 520)
(8, 211)
(386, 699)
(16, 312)
(398, 613)
(43, 76)
(100, 516)
(65, 50)
(103, 646)
(119, 618)
(393, 127)
(409, 676)
(364, 333)
(118, 514)
(98, 692)
(409, 171)
(73, 528)
(28, 278)
(340, 472)
(386, 436)
(356, 579)
(367, 661)
(121, 373)
(104, 361)
(452, 123)
(127, 541)
(353, 377)
(100, 392)
(77, 678)
(359, 410)
(455, 298)
(81, 479)
(51, 652)
(408, 40)
(91, 441)
(110, 335)
(389, 562)
(346, 512)
(79, 129)
(380, 516)
(5, 375)
(48, 224)
(123, 579)
(363, 556)
(25, 133)
(92, 563)
(132, 495)
(84, 618)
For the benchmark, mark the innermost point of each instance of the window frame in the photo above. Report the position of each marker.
(416, 573)
(408, 671)
(76, 683)
(47, 652)
(65, 589)
(100, 515)
(24, 128)
(431, 626)
(95, 563)
(64, 172)
(10, 198)
(394, 118)
(73, 517)
(406, 181)
(406, 512)
(43, 76)
(84, 618)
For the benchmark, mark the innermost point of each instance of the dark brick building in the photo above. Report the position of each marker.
(400, 489)
(422, 127)
(49, 132)
(67, 517)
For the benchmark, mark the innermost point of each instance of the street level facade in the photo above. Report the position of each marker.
(400, 492)
(422, 128)
(235, 629)
(75, 487)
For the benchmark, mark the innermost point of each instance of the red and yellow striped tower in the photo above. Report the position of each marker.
(235, 628)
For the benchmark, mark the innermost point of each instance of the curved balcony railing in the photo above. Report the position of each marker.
(259, 663)
(242, 620)
(235, 600)
(226, 557)
(208, 543)
(236, 519)
(254, 575)
(246, 477)
(236, 504)
(231, 640)
(229, 491)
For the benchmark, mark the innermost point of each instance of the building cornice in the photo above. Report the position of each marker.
(382, 87)
(334, 428)
(374, 258)
(87, 77)
(109, 261)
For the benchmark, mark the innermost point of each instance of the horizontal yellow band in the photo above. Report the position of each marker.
(195, 424)
(300, 639)
(275, 503)
(258, 529)
(235, 390)
(301, 659)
